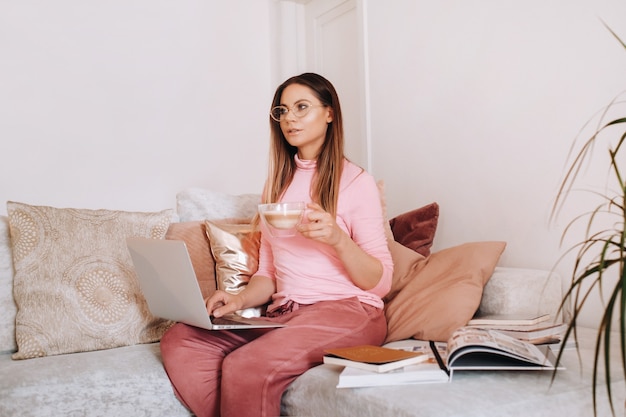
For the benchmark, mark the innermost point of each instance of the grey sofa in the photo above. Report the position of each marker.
(130, 381)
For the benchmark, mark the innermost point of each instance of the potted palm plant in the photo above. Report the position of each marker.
(600, 257)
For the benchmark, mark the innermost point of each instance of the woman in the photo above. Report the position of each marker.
(325, 283)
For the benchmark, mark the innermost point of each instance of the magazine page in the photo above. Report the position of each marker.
(422, 346)
(490, 342)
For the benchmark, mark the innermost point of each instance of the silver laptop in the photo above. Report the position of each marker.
(168, 282)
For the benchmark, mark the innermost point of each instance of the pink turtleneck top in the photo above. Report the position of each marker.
(307, 271)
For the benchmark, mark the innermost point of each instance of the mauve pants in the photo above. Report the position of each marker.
(243, 373)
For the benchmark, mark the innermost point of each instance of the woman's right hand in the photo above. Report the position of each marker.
(222, 303)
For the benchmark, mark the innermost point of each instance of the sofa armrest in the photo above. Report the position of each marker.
(522, 291)
(7, 303)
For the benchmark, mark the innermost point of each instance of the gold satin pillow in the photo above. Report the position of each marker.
(235, 249)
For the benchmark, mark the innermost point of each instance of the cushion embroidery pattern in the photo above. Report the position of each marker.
(74, 286)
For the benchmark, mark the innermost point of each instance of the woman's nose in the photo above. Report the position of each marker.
(290, 115)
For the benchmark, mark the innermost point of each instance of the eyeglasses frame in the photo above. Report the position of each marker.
(290, 109)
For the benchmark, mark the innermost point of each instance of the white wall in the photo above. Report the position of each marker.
(476, 104)
(121, 104)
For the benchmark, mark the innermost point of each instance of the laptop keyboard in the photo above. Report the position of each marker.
(224, 320)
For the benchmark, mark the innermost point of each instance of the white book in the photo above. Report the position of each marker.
(423, 373)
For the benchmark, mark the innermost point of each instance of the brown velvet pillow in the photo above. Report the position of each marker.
(431, 297)
(193, 233)
(416, 229)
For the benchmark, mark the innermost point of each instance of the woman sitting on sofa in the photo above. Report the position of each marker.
(325, 284)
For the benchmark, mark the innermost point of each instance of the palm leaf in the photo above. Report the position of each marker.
(598, 252)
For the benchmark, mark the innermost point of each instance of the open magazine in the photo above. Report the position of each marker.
(468, 348)
(473, 348)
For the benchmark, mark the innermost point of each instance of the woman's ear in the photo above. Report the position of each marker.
(329, 115)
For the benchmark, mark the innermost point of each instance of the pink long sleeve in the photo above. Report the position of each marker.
(307, 271)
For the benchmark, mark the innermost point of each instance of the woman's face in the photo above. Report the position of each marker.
(307, 132)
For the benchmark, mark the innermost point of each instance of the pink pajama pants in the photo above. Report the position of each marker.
(243, 373)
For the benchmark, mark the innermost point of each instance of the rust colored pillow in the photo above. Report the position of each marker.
(404, 260)
(431, 297)
(193, 233)
(415, 229)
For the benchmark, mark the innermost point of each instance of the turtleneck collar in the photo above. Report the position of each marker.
(306, 164)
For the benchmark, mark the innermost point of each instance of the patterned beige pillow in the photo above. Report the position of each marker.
(74, 285)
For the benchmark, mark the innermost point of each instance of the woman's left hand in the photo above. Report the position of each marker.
(321, 226)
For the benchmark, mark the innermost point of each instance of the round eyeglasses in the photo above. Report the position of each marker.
(301, 109)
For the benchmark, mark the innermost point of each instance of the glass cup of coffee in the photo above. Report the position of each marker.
(281, 219)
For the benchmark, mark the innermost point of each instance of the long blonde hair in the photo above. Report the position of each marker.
(282, 166)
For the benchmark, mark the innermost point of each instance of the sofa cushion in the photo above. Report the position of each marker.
(524, 291)
(75, 286)
(416, 229)
(7, 304)
(470, 393)
(201, 204)
(440, 293)
(126, 381)
(235, 249)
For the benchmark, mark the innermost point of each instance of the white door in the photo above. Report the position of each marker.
(332, 33)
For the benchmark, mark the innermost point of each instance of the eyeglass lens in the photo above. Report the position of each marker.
(279, 113)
